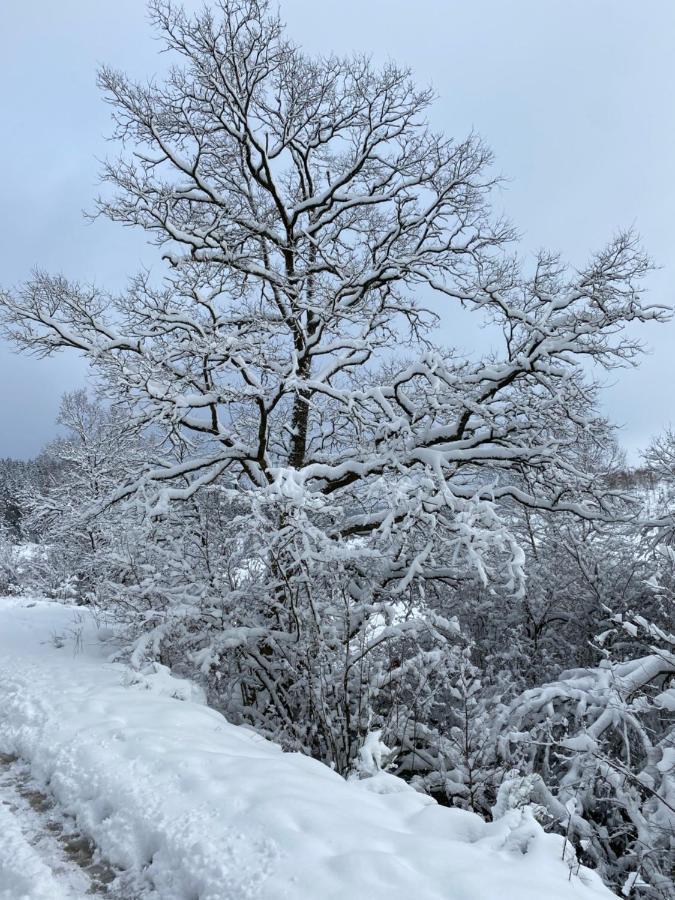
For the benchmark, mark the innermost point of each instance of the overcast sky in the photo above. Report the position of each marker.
(575, 97)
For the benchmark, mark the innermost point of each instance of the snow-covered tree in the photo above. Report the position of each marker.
(8, 575)
(68, 509)
(18, 478)
(452, 752)
(307, 212)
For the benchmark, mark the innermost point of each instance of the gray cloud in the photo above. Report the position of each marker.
(575, 98)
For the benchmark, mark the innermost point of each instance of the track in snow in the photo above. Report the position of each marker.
(53, 838)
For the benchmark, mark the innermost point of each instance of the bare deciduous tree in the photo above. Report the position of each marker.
(308, 211)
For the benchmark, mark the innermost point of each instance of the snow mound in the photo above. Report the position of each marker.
(198, 809)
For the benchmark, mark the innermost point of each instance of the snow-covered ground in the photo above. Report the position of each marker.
(45, 856)
(188, 807)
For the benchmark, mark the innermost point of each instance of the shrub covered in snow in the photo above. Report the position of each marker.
(601, 746)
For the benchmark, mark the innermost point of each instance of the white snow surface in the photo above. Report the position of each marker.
(198, 809)
(24, 875)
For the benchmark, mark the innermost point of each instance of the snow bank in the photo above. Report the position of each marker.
(199, 809)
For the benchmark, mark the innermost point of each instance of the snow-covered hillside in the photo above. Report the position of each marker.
(188, 807)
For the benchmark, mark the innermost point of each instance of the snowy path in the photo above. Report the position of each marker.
(189, 807)
(42, 852)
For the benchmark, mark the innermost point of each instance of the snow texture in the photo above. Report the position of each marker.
(194, 808)
(23, 873)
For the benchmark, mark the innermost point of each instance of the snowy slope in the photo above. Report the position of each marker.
(197, 809)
